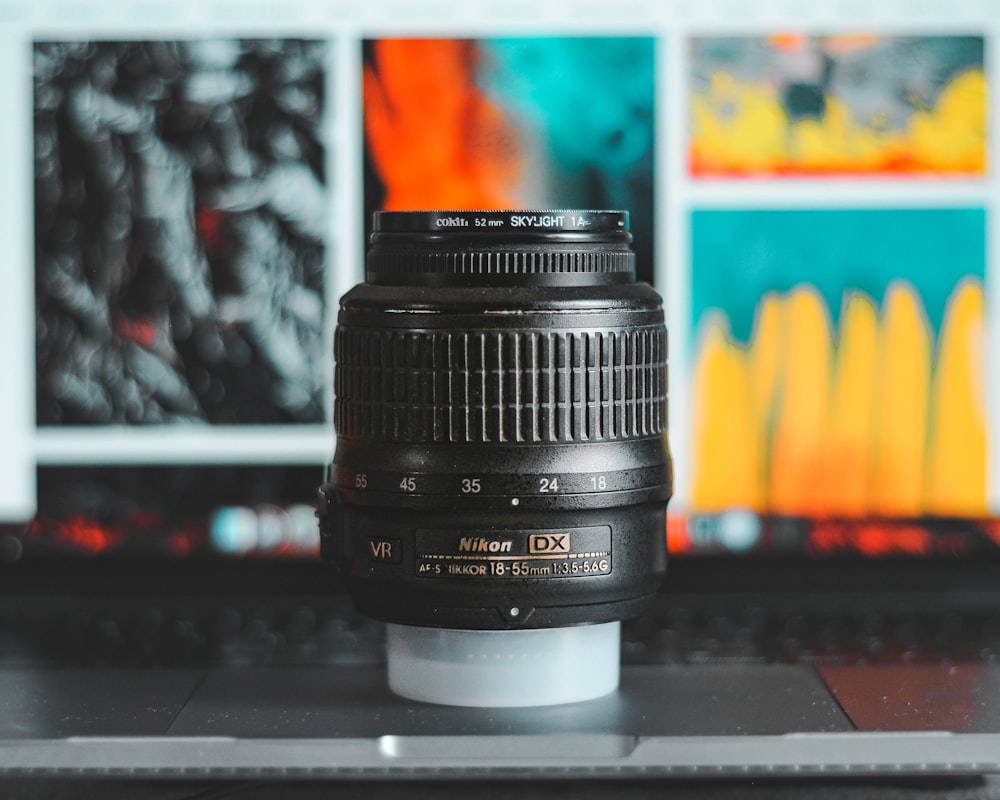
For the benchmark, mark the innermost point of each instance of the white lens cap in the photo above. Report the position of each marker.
(531, 667)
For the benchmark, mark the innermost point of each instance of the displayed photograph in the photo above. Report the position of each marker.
(540, 122)
(863, 104)
(840, 365)
(180, 231)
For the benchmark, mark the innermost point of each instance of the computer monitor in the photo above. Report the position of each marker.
(188, 188)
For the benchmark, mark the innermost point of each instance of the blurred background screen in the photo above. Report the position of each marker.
(810, 190)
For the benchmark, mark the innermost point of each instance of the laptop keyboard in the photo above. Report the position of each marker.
(209, 633)
(293, 631)
(686, 634)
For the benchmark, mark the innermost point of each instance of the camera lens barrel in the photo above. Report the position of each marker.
(501, 410)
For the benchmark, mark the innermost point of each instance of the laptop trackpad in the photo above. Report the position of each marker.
(962, 698)
(652, 701)
(57, 703)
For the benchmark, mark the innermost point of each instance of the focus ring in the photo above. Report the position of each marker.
(500, 386)
(393, 261)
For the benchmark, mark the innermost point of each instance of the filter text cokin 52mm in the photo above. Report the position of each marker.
(499, 487)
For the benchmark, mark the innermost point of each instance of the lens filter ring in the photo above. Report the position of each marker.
(557, 248)
(560, 225)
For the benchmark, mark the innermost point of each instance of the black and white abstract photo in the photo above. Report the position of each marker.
(180, 231)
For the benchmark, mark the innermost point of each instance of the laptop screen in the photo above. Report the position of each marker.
(188, 189)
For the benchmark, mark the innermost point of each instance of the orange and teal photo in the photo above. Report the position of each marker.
(533, 122)
(795, 105)
(840, 363)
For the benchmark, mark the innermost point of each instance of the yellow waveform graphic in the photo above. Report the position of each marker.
(867, 422)
(742, 128)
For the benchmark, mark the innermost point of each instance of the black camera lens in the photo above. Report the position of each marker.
(500, 409)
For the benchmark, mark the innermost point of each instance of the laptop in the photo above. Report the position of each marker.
(181, 214)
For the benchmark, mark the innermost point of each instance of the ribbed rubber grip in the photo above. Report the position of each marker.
(500, 386)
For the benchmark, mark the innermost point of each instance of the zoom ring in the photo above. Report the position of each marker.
(528, 386)
(500, 262)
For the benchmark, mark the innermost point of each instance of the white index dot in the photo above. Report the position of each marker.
(515, 502)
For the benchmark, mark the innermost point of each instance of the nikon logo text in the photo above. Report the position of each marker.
(477, 544)
(548, 543)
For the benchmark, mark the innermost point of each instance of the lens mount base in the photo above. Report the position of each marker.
(493, 669)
